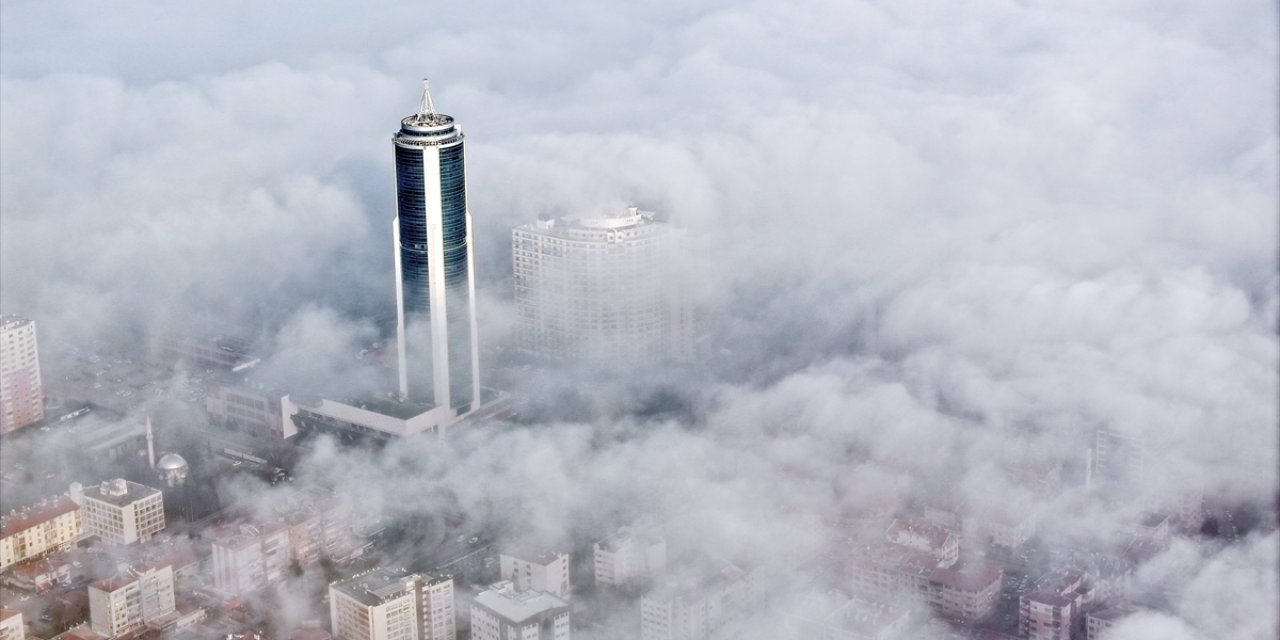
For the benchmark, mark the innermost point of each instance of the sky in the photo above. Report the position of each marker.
(945, 238)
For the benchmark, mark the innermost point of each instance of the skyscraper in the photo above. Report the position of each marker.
(439, 357)
(601, 291)
(21, 394)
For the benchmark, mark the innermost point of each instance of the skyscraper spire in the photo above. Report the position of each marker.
(151, 446)
(435, 290)
(427, 108)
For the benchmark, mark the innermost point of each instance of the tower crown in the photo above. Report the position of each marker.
(426, 120)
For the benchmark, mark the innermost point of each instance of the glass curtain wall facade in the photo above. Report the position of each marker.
(435, 285)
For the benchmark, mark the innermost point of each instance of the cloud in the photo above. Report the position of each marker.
(931, 245)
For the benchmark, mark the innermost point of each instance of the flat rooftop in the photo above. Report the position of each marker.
(119, 492)
(377, 587)
(503, 600)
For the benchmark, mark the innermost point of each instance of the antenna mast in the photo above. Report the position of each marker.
(427, 107)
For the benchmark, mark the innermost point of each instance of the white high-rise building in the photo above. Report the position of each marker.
(602, 291)
(126, 603)
(21, 393)
(119, 511)
(391, 604)
(529, 568)
(504, 612)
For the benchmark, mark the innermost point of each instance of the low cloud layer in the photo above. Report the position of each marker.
(932, 244)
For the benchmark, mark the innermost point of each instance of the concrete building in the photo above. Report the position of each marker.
(257, 411)
(392, 604)
(11, 625)
(966, 593)
(21, 393)
(885, 571)
(818, 618)
(1119, 460)
(129, 602)
(436, 608)
(1054, 611)
(504, 612)
(629, 558)
(925, 536)
(248, 558)
(44, 527)
(119, 511)
(603, 291)
(374, 607)
(319, 526)
(684, 609)
(366, 420)
(1098, 622)
(529, 568)
(204, 353)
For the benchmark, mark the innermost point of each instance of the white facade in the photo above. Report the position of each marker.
(21, 393)
(390, 604)
(539, 570)
(126, 603)
(629, 558)
(119, 511)
(11, 626)
(505, 613)
(925, 536)
(249, 558)
(436, 609)
(38, 529)
(603, 291)
(696, 612)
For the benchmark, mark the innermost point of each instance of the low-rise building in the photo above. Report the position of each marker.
(925, 536)
(1097, 622)
(850, 620)
(504, 612)
(119, 511)
(1054, 611)
(39, 529)
(629, 558)
(683, 609)
(884, 571)
(253, 409)
(966, 593)
(530, 568)
(11, 625)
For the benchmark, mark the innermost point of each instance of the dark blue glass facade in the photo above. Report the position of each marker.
(413, 231)
(415, 254)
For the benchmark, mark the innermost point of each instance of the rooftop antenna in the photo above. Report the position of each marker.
(427, 107)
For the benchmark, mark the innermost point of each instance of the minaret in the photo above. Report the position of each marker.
(439, 358)
(151, 445)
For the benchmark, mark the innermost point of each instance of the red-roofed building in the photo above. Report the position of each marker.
(968, 593)
(42, 574)
(36, 530)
